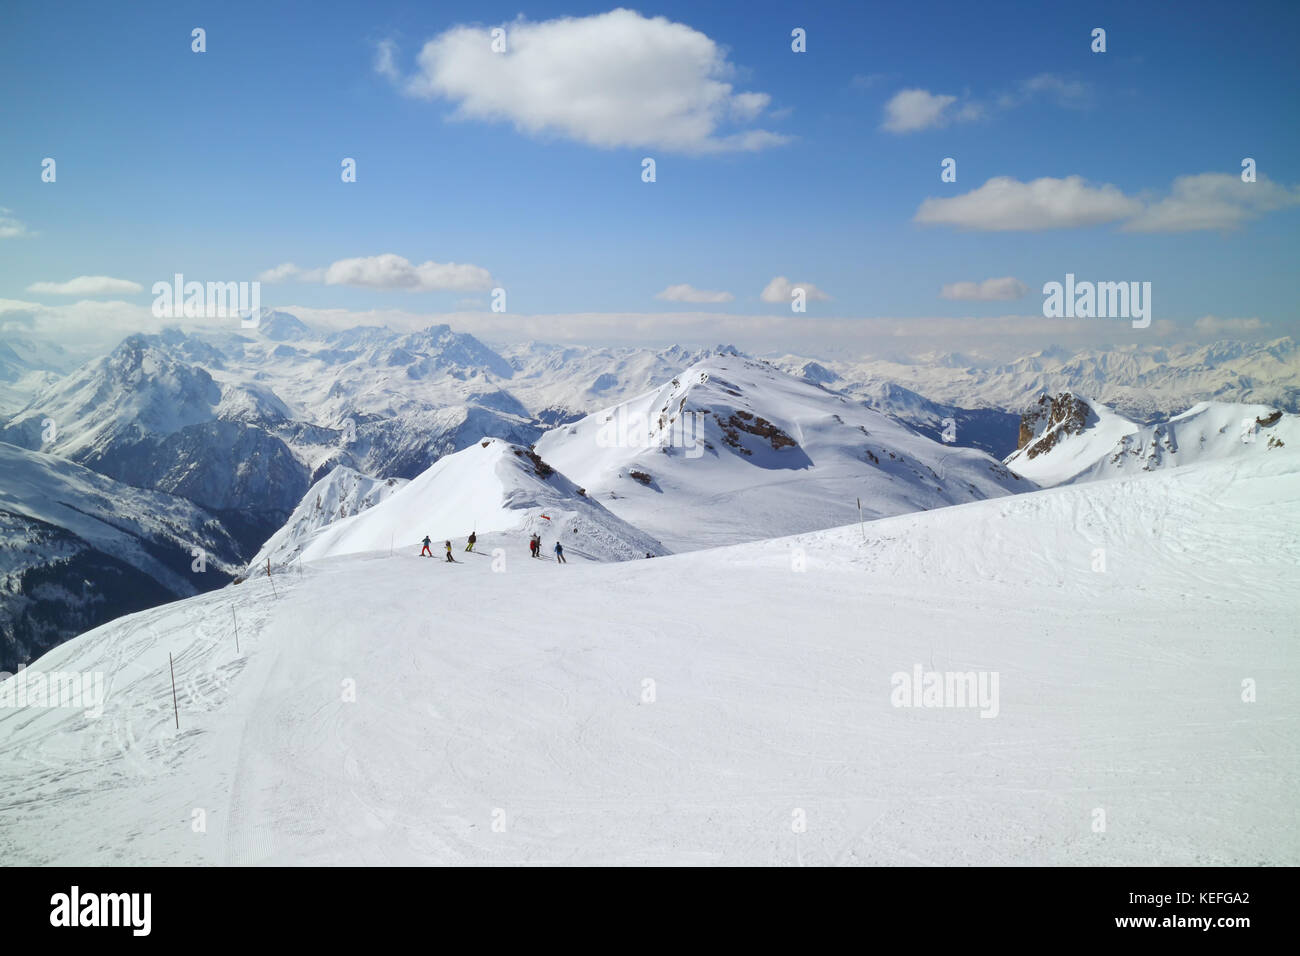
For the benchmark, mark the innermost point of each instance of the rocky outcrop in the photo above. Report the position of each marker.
(1051, 419)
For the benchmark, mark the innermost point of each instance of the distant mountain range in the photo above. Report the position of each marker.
(1143, 383)
(234, 436)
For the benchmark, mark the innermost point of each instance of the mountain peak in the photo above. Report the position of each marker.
(283, 327)
(1049, 420)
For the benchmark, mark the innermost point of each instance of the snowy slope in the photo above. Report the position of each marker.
(498, 489)
(988, 429)
(1067, 438)
(78, 549)
(734, 450)
(692, 709)
(340, 494)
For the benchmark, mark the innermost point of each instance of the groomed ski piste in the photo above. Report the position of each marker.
(738, 705)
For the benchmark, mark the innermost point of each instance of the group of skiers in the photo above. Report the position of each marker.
(425, 550)
(534, 547)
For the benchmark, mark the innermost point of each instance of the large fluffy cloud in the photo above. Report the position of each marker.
(615, 79)
(389, 271)
(87, 285)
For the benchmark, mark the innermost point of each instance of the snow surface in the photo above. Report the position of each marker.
(1111, 445)
(503, 716)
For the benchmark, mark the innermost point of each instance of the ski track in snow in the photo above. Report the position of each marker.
(520, 694)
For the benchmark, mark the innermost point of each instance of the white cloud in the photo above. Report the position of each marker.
(11, 228)
(1202, 201)
(1073, 94)
(910, 110)
(389, 271)
(688, 293)
(990, 290)
(1213, 201)
(85, 327)
(87, 285)
(287, 270)
(386, 60)
(779, 289)
(1004, 204)
(1215, 325)
(615, 79)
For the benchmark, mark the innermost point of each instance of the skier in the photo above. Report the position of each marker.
(449, 557)
(426, 550)
(472, 538)
(559, 553)
(535, 545)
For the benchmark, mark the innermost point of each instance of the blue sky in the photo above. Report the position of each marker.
(225, 164)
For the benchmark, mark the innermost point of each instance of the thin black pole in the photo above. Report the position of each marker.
(175, 706)
(236, 620)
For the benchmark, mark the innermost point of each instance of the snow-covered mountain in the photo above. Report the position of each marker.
(1143, 383)
(733, 449)
(685, 710)
(1066, 438)
(242, 422)
(341, 494)
(147, 415)
(988, 429)
(78, 549)
(562, 383)
(27, 366)
(502, 491)
(21, 355)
